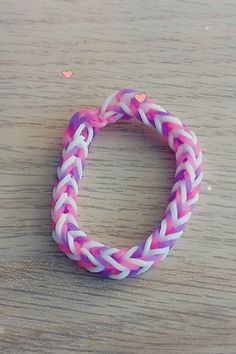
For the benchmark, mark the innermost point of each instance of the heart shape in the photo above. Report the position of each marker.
(140, 97)
(67, 73)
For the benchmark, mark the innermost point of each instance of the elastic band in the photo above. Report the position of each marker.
(95, 256)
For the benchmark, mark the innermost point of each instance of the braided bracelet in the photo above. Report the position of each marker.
(95, 256)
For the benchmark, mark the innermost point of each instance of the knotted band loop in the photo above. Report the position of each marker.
(83, 126)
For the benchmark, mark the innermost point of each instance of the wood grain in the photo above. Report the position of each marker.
(183, 54)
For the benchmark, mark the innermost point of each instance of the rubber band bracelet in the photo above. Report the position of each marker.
(95, 256)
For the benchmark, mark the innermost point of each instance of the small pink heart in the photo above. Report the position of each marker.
(140, 97)
(67, 73)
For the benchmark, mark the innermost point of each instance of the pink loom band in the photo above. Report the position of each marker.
(95, 256)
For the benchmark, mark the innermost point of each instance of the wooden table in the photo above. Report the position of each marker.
(183, 54)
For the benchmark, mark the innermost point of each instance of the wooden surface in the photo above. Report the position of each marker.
(183, 54)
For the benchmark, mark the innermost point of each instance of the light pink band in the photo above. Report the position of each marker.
(83, 126)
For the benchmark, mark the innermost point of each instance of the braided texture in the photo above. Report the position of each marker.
(83, 126)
